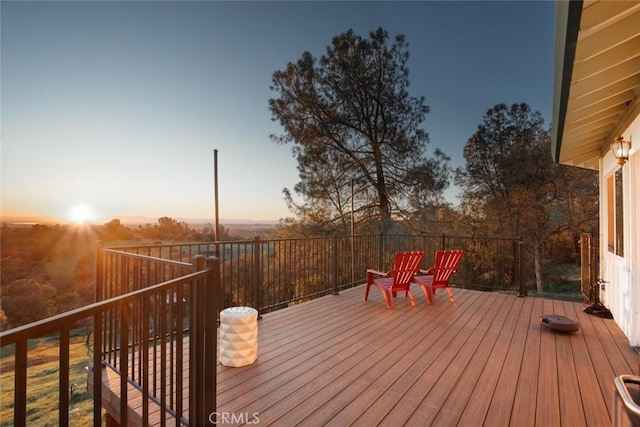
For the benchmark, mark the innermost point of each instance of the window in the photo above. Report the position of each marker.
(615, 213)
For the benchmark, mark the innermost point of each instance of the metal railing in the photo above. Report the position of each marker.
(271, 274)
(626, 410)
(153, 299)
(142, 335)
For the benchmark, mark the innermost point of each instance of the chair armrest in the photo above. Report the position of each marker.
(379, 273)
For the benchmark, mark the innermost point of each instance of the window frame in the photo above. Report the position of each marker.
(615, 212)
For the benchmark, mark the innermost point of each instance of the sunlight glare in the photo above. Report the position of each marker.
(80, 214)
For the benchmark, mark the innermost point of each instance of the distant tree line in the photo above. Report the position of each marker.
(50, 269)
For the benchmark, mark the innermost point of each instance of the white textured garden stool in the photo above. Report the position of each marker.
(238, 336)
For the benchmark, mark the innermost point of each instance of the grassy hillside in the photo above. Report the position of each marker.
(42, 383)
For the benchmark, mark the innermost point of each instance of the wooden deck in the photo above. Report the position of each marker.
(484, 360)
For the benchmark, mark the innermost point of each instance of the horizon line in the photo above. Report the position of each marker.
(137, 219)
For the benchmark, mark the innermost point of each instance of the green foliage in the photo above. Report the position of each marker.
(45, 270)
(512, 188)
(563, 283)
(356, 132)
(114, 230)
(48, 270)
(27, 300)
(506, 162)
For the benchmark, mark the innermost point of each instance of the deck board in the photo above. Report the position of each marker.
(484, 360)
(571, 408)
(452, 409)
(488, 386)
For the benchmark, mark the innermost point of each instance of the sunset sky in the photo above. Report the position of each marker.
(113, 109)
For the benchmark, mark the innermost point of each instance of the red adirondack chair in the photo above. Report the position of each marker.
(399, 279)
(446, 264)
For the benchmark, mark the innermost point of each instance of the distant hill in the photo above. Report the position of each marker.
(138, 220)
(28, 220)
(141, 220)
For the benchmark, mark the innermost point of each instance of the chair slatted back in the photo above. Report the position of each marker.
(446, 264)
(405, 267)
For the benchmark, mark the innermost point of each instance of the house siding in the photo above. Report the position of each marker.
(621, 293)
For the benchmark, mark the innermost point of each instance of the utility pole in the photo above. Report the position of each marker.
(215, 189)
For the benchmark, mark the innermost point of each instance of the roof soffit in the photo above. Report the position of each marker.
(604, 81)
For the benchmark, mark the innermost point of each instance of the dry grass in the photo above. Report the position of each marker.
(42, 383)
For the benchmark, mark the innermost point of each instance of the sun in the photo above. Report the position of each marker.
(80, 214)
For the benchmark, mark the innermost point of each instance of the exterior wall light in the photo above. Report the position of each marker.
(621, 149)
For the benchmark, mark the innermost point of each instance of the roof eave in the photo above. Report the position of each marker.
(568, 14)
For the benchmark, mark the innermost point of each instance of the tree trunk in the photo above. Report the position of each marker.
(383, 199)
(537, 261)
(385, 213)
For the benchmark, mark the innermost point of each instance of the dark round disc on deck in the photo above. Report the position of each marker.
(559, 323)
